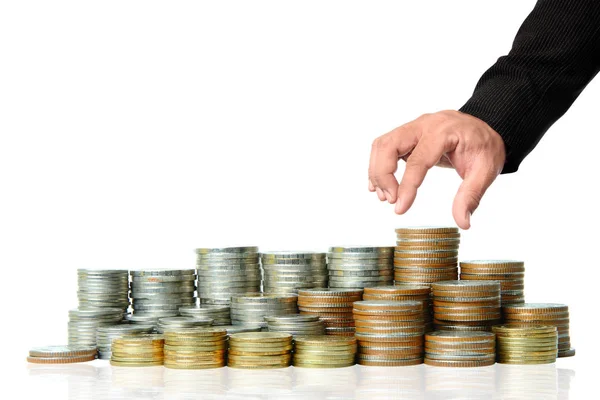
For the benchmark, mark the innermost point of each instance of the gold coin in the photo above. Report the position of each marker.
(135, 364)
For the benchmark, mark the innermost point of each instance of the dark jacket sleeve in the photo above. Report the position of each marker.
(555, 54)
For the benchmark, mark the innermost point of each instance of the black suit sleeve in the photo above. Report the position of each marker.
(555, 54)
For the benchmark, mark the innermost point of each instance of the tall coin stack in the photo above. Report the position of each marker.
(551, 314)
(195, 348)
(252, 310)
(510, 274)
(389, 333)
(220, 314)
(105, 288)
(460, 349)
(162, 290)
(526, 344)
(360, 267)
(106, 334)
(138, 351)
(405, 293)
(149, 319)
(226, 272)
(260, 350)
(296, 324)
(182, 323)
(285, 272)
(332, 306)
(83, 324)
(424, 255)
(466, 305)
(324, 351)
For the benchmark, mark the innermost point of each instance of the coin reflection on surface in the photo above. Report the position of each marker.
(264, 382)
(460, 383)
(375, 383)
(533, 381)
(340, 382)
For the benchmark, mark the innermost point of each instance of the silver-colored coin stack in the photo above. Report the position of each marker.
(106, 334)
(162, 290)
(220, 314)
(285, 272)
(103, 288)
(296, 324)
(83, 324)
(360, 267)
(149, 319)
(252, 310)
(226, 272)
(182, 323)
(231, 329)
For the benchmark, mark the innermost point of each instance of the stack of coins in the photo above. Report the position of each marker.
(182, 322)
(106, 334)
(231, 329)
(424, 255)
(260, 350)
(332, 306)
(466, 305)
(389, 333)
(107, 288)
(160, 290)
(550, 314)
(510, 274)
(83, 324)
(360, 267)
(149, 319)
(138, 351)
(252, 310)
(61, 354)
(324, 351)
(220, 314)
(195, 348)
(460, 349)
(286, 272)
(523, 344)
(296, 324)
(226, 272)
(403, 293)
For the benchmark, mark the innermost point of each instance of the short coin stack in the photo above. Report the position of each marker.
(460, 349)
(543, 314)
(83, 324)
(103, 288)
(510, 274)
(231, 329)
(252, 310)
(149, 319)
(182, 322)
(195, 348)
(285, 272)
(517, 344)
(160, 290)
(404, 292)
(359, 267)
(106, 334)
(324, 351)
(138, 351)
(61, 354)
(260, 350)
(466, 305)
(226, 272)
(332, 306)
(296, 324)
(424, 255)
(389, 333)
(220, 314)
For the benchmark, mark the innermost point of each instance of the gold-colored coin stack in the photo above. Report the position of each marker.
(424, 255)
(550, 314)
(332, 306)
(138, 351)
(466, 305)
(389, 333)
(522, 344)
(260, 350)
(405, 293)
(324, 351)
(460, 349)
(195, 348)
(510, 274)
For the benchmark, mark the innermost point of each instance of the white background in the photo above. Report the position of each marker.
(132, 132)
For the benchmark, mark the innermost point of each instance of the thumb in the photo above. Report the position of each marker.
(476, 181)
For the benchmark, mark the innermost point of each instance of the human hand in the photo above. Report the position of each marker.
(448, 139)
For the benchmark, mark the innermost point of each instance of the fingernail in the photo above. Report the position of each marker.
(397, 207)
(379, 193)
(388, 196)
(468, 218)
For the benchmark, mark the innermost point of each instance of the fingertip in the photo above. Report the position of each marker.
(371, 186)
(380, 194)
